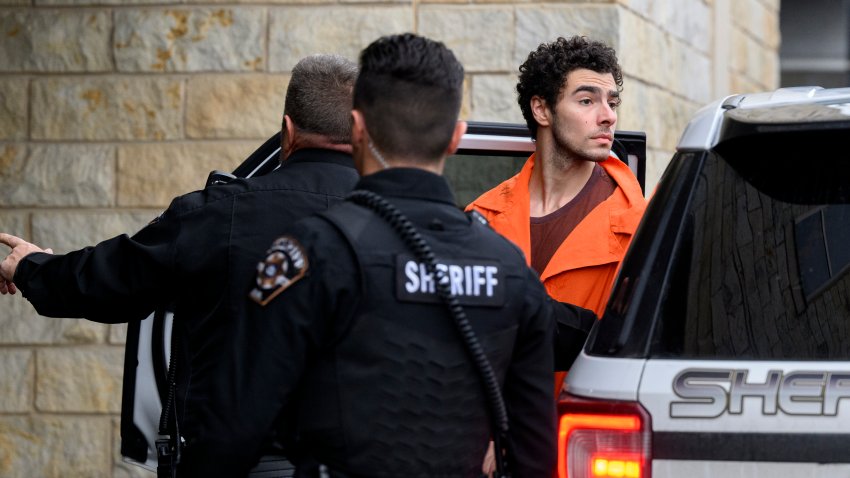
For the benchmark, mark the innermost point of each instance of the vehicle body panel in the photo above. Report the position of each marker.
(729, 323)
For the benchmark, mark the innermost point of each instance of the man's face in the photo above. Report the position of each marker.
(585, 115)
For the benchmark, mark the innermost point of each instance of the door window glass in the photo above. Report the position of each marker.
(758, 274)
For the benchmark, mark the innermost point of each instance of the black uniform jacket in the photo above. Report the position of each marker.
(317, 311)
(200, 255)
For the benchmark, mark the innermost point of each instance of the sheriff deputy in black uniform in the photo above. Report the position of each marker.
(201, 255)
(373, 368)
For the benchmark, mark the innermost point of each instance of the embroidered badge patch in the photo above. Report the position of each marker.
(285, 263)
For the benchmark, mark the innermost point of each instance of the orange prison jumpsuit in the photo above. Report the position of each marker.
(582, 270)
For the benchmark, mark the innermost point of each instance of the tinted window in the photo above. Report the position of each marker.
(759, 273)
(470, 175)
(822, 252)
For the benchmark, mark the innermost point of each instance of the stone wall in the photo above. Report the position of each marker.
(110, 108)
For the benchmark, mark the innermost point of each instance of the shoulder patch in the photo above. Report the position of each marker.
(285, 263)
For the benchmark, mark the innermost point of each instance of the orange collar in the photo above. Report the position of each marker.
(593, 242)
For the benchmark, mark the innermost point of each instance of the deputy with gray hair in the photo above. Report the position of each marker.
(200, 255)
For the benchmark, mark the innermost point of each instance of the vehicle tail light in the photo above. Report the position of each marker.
(603, 439)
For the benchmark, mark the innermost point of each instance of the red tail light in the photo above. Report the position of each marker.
(603, 439)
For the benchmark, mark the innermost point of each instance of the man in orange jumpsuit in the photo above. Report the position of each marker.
(573, 207)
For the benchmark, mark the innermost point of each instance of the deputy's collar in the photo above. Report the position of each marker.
(410, 183)
(307, 155)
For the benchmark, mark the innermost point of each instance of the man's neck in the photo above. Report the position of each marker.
(312, 141)
(555, 181)
(372, 165)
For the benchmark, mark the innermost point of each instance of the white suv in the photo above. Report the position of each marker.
(725, 347)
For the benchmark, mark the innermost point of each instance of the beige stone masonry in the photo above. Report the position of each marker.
(769, 69)
(642, 62)
(665, 60)
(740, 83)
(634, 112)
(536, 24)
(54, 446)
(758, 20)
(271, 2)
(21, 325)
(466, 2)
(200, 39)
(355, 2)
(57, 175)
(13, 109)
(746, 53)
(477, 35)
(657, 112)
(79, 379)
(177, 169)
(51, 228)
(235, 106)
(466, 101)
(17, 367)
(505, 2)
(53, 40)
(105, 2)
(772, 37)
(691, 24)
(107, 108)
(296, 32)
(648, 9)
(773, 5)
(494, 98)
(657, 161)
(14, 222)
(117, 334)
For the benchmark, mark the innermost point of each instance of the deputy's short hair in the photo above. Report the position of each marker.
(318, 98)
(409, 92)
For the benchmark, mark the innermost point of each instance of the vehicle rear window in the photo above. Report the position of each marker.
(760, 269)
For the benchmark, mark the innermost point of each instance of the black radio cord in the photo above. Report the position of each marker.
(411, 237)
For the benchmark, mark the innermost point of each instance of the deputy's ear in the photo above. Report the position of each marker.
(540, 110)
(358, 127)
(457, 135)
(287, 135)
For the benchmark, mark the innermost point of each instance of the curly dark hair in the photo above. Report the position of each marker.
(409, 90)
(546, 68)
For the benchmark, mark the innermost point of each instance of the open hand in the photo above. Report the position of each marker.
(20, 249)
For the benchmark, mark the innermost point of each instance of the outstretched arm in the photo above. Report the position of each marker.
(20, 249)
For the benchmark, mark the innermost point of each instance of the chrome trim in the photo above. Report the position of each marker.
(703, 130)
(488, 142)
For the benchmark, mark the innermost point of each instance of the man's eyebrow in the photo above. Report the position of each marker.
(595, 90)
